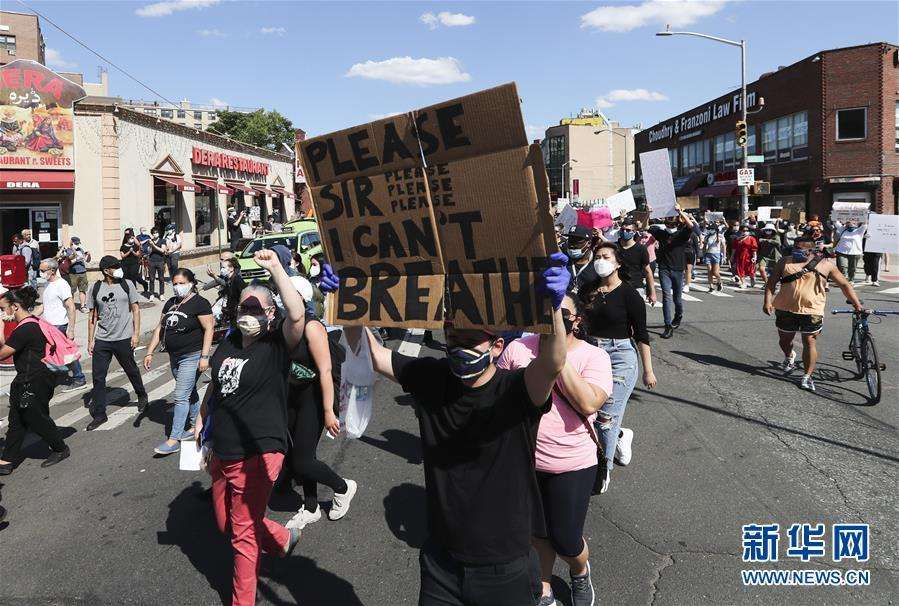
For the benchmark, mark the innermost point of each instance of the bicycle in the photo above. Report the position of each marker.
(862, 349)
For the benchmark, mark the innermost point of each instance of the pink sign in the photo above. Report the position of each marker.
(600, 218)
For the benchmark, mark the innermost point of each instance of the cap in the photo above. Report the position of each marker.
(76, 240)
(109, 261)
(578, 231)
(303, 286)
(769, 227)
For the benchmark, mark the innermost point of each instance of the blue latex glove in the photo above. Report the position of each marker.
(556, 278)
(329, 281)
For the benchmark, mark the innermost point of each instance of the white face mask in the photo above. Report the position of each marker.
(181, 290)
(118, 274)
(251, 325)
(224, 271)
(315, 270)
(604, 267)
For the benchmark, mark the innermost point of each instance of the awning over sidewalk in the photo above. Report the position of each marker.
(717, 191)
(284, 192)
(37, 179)
(241, 187)
(178, 182)
(262, 189)
(214, 186)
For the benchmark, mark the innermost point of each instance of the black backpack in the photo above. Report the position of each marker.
(96, 289)
(35, 258)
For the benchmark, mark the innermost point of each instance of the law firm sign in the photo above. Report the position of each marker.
(700, 117)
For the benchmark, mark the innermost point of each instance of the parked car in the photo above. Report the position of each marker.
(299, 236)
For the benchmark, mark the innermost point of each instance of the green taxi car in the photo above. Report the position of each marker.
(299, 236)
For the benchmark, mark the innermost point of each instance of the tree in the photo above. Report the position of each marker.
(266, 129)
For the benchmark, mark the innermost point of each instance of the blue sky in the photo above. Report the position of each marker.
(329, 65)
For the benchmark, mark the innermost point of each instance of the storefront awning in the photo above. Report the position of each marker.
(717, 191)
(241, 187)
(208, 183)
(262, 189)
(178, 182)
(37, 179)
(284, 192)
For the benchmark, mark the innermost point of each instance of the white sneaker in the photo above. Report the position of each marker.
(303, 517)
(807, 383)
(605, 483)
(623, 451)
(875, 283)
(686, 288)
(341, 503)
(742, 285)
(789, 363)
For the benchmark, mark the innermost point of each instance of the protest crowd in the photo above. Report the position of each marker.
(521, 422)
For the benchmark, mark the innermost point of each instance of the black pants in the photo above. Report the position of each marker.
(306, 420)
(133, 273)
(872, 265)
(157, 271)
(171, 262)
(446, 581)
(566, 498)
(103, 354)
(29, 410)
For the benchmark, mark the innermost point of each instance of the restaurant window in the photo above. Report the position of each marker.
(729, 151)
(800, 135)
(769, 140)
(204, 202)
(165, 203)
(719, 153)
(785, 138)
(181, 114)
(852, 124)
(167, 113)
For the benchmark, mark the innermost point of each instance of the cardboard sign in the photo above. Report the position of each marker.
(883, 234)
(439, 214)
(641, 217)
(711, 217)
(766, 213)
(849, 211)
(567, 218)
(658, 183)
(622, 201)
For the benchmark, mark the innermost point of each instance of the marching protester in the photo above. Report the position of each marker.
(799, 304)
(714, 251)
(616, 319)
(580, 253)
(849, 246)
(671, 255)
(78, 258)
(635, 260)
(246, 405)
(173, 244)
(157, 259)
(477, 425)
(26, 247)
(235, 221)
(770, 247)
(113, 330)
(745, 248)
(59, 310)
(566, 452)
(131, 255)
(646, 239)
(230, 286)
(185, 330)
(33, 385)
(871, 264)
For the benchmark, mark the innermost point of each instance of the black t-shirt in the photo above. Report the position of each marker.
(181, 329)
(30, 344)
(671, 252)
(249, 412)
(582, 275)
(155, 255)
(619, 314)
(634, 259)
(234, 231)
(478, 448)
(130, 260)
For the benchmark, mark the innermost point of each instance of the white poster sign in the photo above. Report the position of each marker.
(883, 234)
(765, 213)
(567, 218)
(745, 176)
(711, 216)
(622, 201)
(658, 184)
(849, 211)
(254, 213)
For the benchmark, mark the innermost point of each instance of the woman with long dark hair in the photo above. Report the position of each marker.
(185, 331)
(616, 319)
(131, 255)
(32, 387)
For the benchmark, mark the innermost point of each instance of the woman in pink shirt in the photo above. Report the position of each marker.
(566, 460)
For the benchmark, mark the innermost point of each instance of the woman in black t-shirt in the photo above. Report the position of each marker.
(246, 403)
(616, 318)
(185, 331)
(131, 255)
(32, 387)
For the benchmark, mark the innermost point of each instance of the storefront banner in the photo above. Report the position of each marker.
(623, 201)
(849, 211)
(658, 183)
(439, 214)
(883, 234)
(36, 117)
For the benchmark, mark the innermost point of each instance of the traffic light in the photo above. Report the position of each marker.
(740, 133)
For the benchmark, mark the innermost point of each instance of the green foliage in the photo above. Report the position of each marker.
(267, 129)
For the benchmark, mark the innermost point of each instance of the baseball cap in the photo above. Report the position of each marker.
(578, 231)
(108, 261)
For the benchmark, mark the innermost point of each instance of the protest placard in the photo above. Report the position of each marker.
(438, 214)
(849, 211)
(254, 213)
(567, 218)
(766, 213)
(622, 201)
(598, 218)
(883, 234)
(641, 217)
(658, 183)
(711, 216)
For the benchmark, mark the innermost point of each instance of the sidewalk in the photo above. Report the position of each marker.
(150, 311)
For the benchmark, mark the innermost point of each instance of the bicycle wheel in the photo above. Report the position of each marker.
(872, 368)
(856, 350)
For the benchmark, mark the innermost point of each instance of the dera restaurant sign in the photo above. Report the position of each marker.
(205, 157)
(713, 111)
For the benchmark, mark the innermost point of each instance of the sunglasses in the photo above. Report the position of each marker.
(253, 309)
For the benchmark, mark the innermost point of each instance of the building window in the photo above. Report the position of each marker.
(852, 124)
(212, 116)
(198, 115)
(719, 154)
(166, 113)
(8, 43)
(750, 142)
(198, 126)
(769, 140)
(150, 110)
(181, 114)
(785, 138)
(672, 160)
(800, 135)
(556, 159)
(729, 152)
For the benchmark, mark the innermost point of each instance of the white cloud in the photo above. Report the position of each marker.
(54, 59)
(446, 19)
(163, 9)
(216, 102)
(624, 18)
(534, 132)
(623, 94)
(211, 33)
(406, 70)
(272, 31)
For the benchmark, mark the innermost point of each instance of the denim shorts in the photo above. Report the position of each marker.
(712, 258)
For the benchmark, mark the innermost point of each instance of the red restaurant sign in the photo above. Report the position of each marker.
(205, 157)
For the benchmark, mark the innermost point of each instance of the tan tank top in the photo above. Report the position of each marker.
(803, 296)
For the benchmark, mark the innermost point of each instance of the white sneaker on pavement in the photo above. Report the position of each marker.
(686, 288)
(789, 363)
(303, 517)
(606, 481)
(623, 451)
(807, 383)
(341, 503)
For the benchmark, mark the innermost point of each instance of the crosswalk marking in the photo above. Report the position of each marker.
(126, 412)
(889, 291)
(687, 297)
(70, 418)
(716, 293)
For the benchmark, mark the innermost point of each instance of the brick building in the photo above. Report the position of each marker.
(828, 131)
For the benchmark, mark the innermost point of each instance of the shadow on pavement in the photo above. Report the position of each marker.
(398, 442)
(405, 512)
(306, 582)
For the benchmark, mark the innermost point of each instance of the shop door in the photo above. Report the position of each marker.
(12, 221)
(45, 229)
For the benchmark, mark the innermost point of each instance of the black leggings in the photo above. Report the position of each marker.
(29, 410)
(306, 420)
(872, 265)
(566, 497)
(133, 272)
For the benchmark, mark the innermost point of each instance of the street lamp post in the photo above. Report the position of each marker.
(744, 189)
(564, 164)
(627, 179)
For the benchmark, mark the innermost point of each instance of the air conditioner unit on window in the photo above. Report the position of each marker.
(11, 51)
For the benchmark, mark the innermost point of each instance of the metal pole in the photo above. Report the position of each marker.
(744, 189)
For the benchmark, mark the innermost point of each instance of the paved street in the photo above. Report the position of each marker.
(724, 440)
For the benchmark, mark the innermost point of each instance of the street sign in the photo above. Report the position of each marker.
(755, 159)
(745, 176)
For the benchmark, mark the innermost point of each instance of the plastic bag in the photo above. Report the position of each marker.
(357, 379)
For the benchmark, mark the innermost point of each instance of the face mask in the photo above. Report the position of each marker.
(743, 234)
(576, 253)
(627, 235)
(800, 254)
(118, 274)
(225, 271)
(181, 290)
(468, 363)
(252, 326)
(604, 267)
(671, 230)
(8, 318)
(315, 270)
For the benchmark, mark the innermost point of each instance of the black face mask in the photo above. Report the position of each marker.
(569, 325)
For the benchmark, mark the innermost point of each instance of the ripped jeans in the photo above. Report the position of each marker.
(624, 378)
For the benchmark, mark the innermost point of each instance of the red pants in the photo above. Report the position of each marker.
(240, 492)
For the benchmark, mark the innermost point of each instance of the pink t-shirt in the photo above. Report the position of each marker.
(650, 243)
(563, 443)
